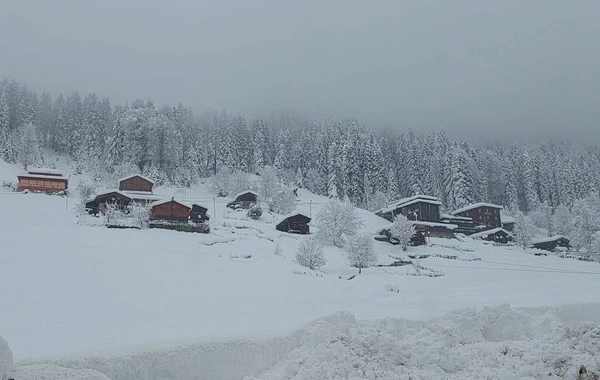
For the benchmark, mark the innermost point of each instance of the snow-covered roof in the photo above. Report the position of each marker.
(476, 205)
(163, 201)
(245, 192)
(47, 171)
(434, 224)
(143, 196)
(449, 216)
(41, 176)
(283, 218)
(121, 193)
(485, 233)
(409, 201)
(507, 219)
(548, 239)
(136, 175)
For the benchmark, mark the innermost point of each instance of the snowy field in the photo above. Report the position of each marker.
(122, 299)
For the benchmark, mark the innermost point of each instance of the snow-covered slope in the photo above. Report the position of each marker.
(69, 287)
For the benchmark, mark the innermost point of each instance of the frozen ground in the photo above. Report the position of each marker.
(70, 288)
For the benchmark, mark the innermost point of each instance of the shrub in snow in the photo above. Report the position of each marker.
(139, 213)
(86, 190)
(360, 252)
(524, 230)
(113, 215)
(282, 201)
(310, 254)
(278, 250)
(254, 212)
(336, 219)
(403, 230)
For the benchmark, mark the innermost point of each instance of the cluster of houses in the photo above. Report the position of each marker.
(479, 221)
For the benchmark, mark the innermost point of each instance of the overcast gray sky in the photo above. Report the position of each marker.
(524, 66)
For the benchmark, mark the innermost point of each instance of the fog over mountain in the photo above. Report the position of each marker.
(476, 68)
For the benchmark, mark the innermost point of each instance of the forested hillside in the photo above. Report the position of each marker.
(337, 157)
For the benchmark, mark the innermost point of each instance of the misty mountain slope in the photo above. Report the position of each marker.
(109, 289)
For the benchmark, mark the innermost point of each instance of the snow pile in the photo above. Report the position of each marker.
(496, 342)
(6, 359)
(53, 372)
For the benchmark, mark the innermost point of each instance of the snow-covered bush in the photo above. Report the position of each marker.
(255, 212)
(524, 230)
(310, 254)
(336, 219)
(360, 252)
(113, 215)
(85, 190)
(282, 201)
(403, 230)
(139, 213)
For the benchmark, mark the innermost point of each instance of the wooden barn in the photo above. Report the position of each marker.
(170, 210)
(419, 208)
(295, 223)
(496, 235)
(98, 204)
(199, 214)
(43, 180)
(551, 243)
(482, 213)
(244, 200)
(136, 182)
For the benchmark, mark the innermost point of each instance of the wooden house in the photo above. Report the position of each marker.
(199, 214)
(464, 225)
(43, 180)
(432, 229)
(245, 200)
(116, 197)
(418, 208)
(170, 210)
(486, 214)
(496, 235)
(295, 223)
(137, 183)
(552, 243)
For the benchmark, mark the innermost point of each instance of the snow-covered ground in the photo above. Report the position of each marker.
(70, 288)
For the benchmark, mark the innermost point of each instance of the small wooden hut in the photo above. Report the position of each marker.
(198, 214)
(244, 200)
(496, 235)
(295, 224)
(170, 210)
(136, 182)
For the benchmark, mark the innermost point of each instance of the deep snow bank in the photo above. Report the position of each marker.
(493, 342)
(6, 359)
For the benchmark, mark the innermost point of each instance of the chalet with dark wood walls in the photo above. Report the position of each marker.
(244, 200)
(199, 214)
(496, 235)
(486, 214)
(418, 208)
(464, 225)
(170, 210)
(432, 229)
(552, 243)
(295, 223)
(136, 182)
(43, 180)
(100, 201)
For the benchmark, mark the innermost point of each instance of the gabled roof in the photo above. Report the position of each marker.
(245, 192)
(136, 175)
(42, 176)
(488, 232)
(409, 201)
(121, 193)
(548, 239)
(283, 219)
(162, 202)
(45, 171)
(476, 205)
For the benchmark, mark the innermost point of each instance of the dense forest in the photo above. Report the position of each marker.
(341, 158)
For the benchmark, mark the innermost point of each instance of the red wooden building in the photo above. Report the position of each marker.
(170, 210)
(136, 182)
(43, 180)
